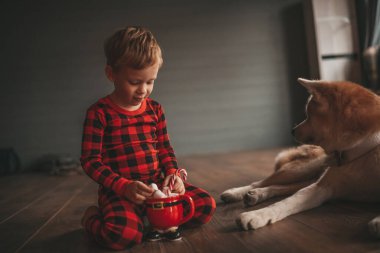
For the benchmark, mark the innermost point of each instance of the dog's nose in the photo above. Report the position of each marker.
(293, 131)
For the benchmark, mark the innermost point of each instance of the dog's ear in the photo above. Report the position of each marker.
(310, 85)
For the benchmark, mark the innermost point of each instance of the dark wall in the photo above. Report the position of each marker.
(227, 83)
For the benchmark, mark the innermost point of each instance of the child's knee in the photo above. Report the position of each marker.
(124, 236)
(206, 210)
(210, 208)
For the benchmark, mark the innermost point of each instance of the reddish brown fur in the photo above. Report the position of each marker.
(332, 105)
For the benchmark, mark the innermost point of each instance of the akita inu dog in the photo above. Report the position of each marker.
(340, 158)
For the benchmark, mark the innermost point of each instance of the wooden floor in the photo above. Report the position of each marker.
(40, 213)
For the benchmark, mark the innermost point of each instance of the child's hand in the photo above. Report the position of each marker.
(137, 192)
(178, 187)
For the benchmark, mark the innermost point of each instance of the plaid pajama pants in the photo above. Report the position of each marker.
(120, 224)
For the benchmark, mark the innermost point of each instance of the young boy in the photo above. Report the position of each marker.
(126, 146)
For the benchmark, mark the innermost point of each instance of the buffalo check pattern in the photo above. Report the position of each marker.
(120, 146)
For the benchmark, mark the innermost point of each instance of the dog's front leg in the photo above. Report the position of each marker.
(306, 198)
(374, 226)
(258, 195)
(238, 193)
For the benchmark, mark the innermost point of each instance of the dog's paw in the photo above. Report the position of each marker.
(374, 227)
(231, 196)
(234, 194)
(252, 220)
(253, 197)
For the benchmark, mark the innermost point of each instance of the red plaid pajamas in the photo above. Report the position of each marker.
(119, 146)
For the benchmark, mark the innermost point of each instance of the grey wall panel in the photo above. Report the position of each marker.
(226, 84)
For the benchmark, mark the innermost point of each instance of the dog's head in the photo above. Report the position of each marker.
(338, 115)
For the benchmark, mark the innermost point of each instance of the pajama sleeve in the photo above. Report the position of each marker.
(91, 158)
(168, 161)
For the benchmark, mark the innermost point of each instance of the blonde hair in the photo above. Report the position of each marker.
(134, 47)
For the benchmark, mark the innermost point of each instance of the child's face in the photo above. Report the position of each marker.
(132, 86)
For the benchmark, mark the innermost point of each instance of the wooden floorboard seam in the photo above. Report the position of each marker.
(30, 204)
(52, 217)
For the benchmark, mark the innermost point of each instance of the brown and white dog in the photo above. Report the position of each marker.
(340, 158)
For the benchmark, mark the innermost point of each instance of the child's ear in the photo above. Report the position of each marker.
(109, 73)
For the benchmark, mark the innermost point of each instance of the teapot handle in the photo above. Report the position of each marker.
(190, 201)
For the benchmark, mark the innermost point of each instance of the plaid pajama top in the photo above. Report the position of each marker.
(119, 145)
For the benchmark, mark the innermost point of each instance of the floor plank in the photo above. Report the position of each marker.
(16, 186)
(30, 189)
(17, 230)
(346, 226)
(64, 233)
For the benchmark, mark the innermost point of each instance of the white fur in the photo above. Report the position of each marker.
(374, 226)
(235, 194)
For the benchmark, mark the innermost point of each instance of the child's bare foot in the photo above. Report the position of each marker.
(90, 211)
